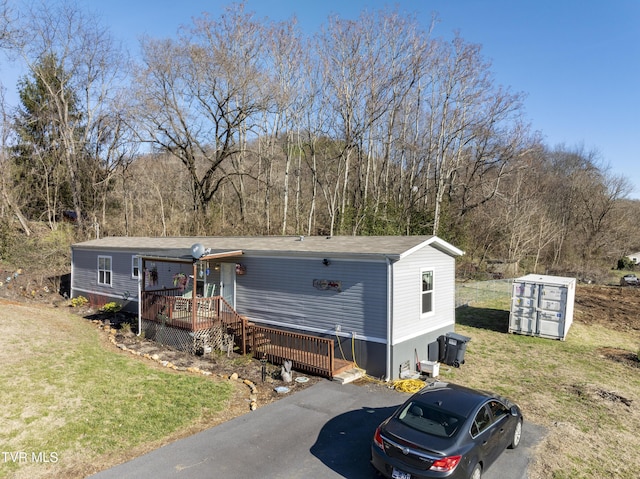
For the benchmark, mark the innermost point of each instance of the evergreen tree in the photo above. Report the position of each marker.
(39, 169)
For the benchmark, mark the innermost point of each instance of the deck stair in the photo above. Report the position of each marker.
(341, 366)
(349, 375)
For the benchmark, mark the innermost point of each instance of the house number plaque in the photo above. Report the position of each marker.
(327, 284)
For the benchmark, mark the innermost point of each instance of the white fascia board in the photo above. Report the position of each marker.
(437, 243)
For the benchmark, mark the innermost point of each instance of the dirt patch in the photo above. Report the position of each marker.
(628, 358)
(595, 393)
(614, 307)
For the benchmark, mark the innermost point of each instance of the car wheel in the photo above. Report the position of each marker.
(476, 473)
(517, 435)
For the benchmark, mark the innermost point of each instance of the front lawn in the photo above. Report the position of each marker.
(74, 406)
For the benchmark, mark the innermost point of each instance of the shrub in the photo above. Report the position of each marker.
(111, 307)
(79, 301)
(626, 263)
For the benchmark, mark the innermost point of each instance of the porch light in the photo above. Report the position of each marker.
(326, 262)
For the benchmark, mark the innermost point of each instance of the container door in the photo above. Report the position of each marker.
(551, 311)
(228, 283)
(550, 324)
(523, 321)
(524, 317)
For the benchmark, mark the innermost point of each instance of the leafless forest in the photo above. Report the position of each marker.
(240, 125)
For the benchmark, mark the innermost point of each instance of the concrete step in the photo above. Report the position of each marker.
(349, 375)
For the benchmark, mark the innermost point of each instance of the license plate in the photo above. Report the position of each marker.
(400, 474)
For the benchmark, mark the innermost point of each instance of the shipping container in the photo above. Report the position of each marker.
(542, 305)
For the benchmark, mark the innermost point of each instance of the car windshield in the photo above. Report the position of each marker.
(430, 419)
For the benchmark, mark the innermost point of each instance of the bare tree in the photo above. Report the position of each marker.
(288, 57)
(8, 193)
(200, 95)
(598, 195)
(6, 23)
(469, 128)
(80, 96)
(370, 66)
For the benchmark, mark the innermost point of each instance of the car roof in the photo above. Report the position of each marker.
(452, 397)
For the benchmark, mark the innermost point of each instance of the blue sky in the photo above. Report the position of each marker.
(577, 61)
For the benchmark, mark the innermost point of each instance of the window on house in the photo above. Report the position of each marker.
(104, 270)
(427, 292)
(135, 267)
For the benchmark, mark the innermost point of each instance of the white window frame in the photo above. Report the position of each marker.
(431, 312)
(135, 267)
(105, 274)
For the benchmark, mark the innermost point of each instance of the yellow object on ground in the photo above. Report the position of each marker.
(408, 385)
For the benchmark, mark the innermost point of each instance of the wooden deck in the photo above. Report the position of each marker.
(312, 354)
(308, 353)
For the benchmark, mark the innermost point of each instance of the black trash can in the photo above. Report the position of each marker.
(455, 346)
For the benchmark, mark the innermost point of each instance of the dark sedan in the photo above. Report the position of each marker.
(445, 430)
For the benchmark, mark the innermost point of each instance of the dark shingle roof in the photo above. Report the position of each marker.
(392, 246)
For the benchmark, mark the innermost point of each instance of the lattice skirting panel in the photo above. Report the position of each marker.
(199, 342)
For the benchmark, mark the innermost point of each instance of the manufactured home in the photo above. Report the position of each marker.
(371, 302)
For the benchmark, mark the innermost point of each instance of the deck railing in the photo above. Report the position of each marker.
(168, 307)
(234, 324)
(307, 353)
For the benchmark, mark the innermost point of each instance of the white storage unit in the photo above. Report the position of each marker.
(430, 368)
(542, 306)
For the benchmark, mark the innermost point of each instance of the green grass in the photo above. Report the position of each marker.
(487, 293)
(560, 385)
(70, 395)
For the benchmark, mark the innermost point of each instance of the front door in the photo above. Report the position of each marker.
(228, 283)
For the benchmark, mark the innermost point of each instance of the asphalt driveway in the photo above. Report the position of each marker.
(322, 431)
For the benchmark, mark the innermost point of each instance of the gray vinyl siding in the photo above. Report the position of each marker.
(85, 275)
(407, 320)
(281, 291)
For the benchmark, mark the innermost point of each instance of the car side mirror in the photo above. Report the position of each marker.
(514, 411)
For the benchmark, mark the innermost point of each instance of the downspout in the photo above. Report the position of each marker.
(389, 317)
(141, 274)
(72, 274)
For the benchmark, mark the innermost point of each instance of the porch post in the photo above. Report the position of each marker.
(141, 285)
(194, 297)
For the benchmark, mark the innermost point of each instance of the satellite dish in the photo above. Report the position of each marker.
(197, 250)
